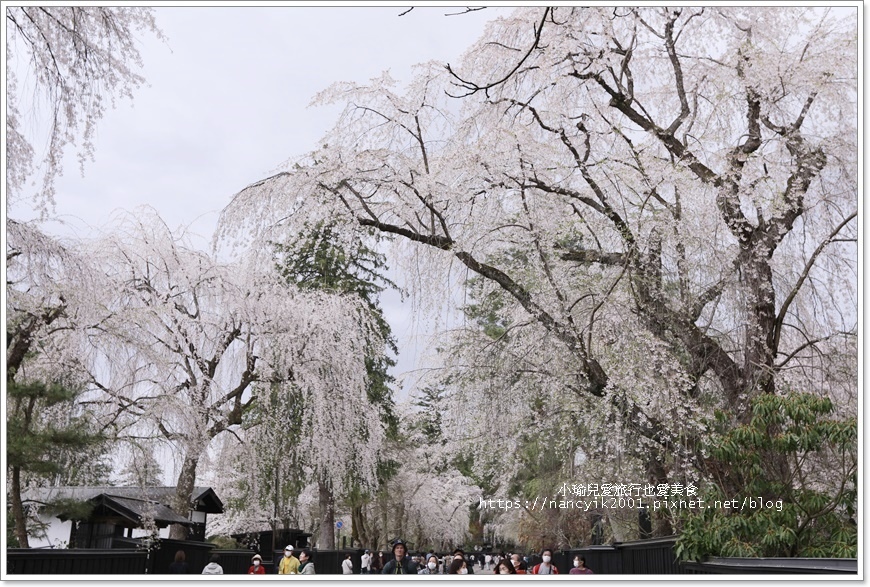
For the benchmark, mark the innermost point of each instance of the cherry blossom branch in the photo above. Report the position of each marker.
(473, 88)
(780, 318)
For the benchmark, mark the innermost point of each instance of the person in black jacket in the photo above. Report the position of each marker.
(400, 564)
(179, 565)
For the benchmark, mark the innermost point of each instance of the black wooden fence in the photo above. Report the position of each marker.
(656, 556)
(37, 561)
(328, 562)
(196, 554)
(780, 566)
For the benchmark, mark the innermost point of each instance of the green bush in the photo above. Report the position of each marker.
(224, 542)
(797, 465)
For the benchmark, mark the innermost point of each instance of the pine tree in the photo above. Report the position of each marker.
(142, 469)
(320, 258)
(38, 428)
(317, 260)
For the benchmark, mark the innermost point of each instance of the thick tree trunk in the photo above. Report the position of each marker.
(758, 365)
(357, 519)
(385, 520)
(327, 517)
(18, 509)
(183, 496)
(661, 524)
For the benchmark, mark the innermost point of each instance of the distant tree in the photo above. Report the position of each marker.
(264, 474)
(273, 466)
(428, 421)
(142, 468)
(184, 337)
(428, 497)
(320, 259)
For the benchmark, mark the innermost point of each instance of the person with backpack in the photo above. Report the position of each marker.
(545, 567)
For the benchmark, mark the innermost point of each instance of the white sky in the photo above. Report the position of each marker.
(226, 103)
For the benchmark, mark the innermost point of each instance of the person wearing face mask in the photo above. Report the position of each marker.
(519, 564)
(289, 565)
(458, 567)
(504, 567)
(545, 567)
(459, 553)
(257, 567)
(580, 567)
(431, 567)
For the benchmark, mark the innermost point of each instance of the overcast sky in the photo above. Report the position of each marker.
(226, 102)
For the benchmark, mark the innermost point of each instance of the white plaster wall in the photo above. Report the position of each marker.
(140, 533)
(57, 534)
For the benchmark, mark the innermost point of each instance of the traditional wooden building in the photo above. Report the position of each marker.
(115, 513)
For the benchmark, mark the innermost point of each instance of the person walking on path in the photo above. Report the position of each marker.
(504, 567)
(289, 565)
(458, 567)
(459, 553)
(431, 567)
(519, 564)
(545, 567)
(347, 566)
(257, 567)
(179, 565)
(213, 568)
(400, 564)
(366, 563)
(378, 563)
(306, 567)
(580, 567)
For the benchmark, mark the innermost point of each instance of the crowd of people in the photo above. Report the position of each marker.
(289, 564)
(399, 562)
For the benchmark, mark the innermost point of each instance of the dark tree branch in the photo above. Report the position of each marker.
(587, 256)
(670, 45)
(466, 11)
(473, 88)
(780, 318)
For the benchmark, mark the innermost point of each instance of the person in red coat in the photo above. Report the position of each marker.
(257, 566)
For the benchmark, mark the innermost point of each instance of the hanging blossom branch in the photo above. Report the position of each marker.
(473, 88)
